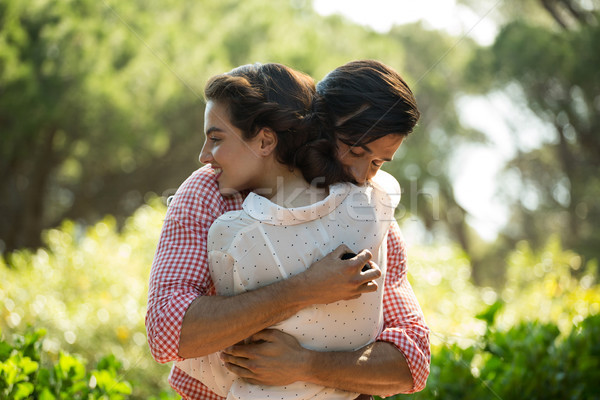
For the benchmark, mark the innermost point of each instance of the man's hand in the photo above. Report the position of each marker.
(270, 357)
(332, 279)
(275, 358)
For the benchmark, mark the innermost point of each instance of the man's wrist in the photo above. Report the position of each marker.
(310, 363)
(298, 289)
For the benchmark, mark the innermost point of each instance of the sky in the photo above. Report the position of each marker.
(475, 178)
(437, 14)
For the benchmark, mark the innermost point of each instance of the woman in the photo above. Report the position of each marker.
(183, 322)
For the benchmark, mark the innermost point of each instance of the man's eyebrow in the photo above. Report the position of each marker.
(368, 150)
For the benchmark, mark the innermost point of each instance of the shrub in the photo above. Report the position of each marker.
(27, 372)
(88, 290)
(528, 361)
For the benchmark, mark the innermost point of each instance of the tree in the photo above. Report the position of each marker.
(99, 107)
(426, 158)
(553, 69)
(80, 107)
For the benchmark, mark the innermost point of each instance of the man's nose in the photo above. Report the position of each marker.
(360, 173)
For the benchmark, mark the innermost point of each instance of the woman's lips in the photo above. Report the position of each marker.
(217, 171)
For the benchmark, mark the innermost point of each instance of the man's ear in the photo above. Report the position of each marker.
(268, 141)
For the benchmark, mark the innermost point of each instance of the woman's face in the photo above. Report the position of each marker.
(363, 162)
(236, 162)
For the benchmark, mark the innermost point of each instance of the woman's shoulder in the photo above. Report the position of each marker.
(227, 227)
(388, 186)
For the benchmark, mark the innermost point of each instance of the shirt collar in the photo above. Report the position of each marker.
(264, 210)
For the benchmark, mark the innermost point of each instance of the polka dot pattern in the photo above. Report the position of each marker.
(266, 243)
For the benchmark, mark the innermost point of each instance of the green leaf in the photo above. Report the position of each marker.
(110, 363)
(46, 394)
(69, 367)
(27, 365)
(5, 350)
(23, 390)
(489, 315)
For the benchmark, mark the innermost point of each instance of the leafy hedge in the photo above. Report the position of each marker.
(87, 288)
(529, 361)
(24, 375)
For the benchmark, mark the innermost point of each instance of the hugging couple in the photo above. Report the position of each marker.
(280, 272)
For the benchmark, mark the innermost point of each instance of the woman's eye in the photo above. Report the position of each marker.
(353, 154)
(214, 139)
(377, 163)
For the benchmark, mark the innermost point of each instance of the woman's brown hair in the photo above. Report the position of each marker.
(277, 97)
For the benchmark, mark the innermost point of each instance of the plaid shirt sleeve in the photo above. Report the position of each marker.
(180, 270)
(404, 323)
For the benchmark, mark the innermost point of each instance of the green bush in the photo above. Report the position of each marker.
(528, 361)
(551, 285)
(87, 288)
(24, 375)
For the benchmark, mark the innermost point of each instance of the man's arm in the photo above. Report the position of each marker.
(276, 358)
(404, 323)
(212, 323)
(397, 363)
(183, 320)
(179, 271)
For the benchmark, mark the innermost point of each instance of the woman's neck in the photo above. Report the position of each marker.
(289, 189)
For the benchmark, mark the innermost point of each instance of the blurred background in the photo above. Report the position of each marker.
(101, 112)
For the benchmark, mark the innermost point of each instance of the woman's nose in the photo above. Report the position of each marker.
(205, 155)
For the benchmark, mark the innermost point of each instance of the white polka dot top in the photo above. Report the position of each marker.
(264, 243)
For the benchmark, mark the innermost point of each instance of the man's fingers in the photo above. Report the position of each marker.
(237, 369)
(341, 250)
(364, 256)
(265, 335)
(370, 286)
(373, 272)
(240, 351)
(357, 260)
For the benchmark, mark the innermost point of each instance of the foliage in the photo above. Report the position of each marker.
(88, 289)
(558, 284)
(99, 107)
(551, 70)
(24, 375)
(535, 338)
(551, 285)
(529, 360)
(422, 164)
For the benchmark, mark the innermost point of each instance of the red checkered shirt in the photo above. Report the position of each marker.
(180, 273)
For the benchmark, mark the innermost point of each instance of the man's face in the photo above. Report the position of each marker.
(363, 162)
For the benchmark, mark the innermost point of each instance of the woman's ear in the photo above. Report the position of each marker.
(268, 141)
